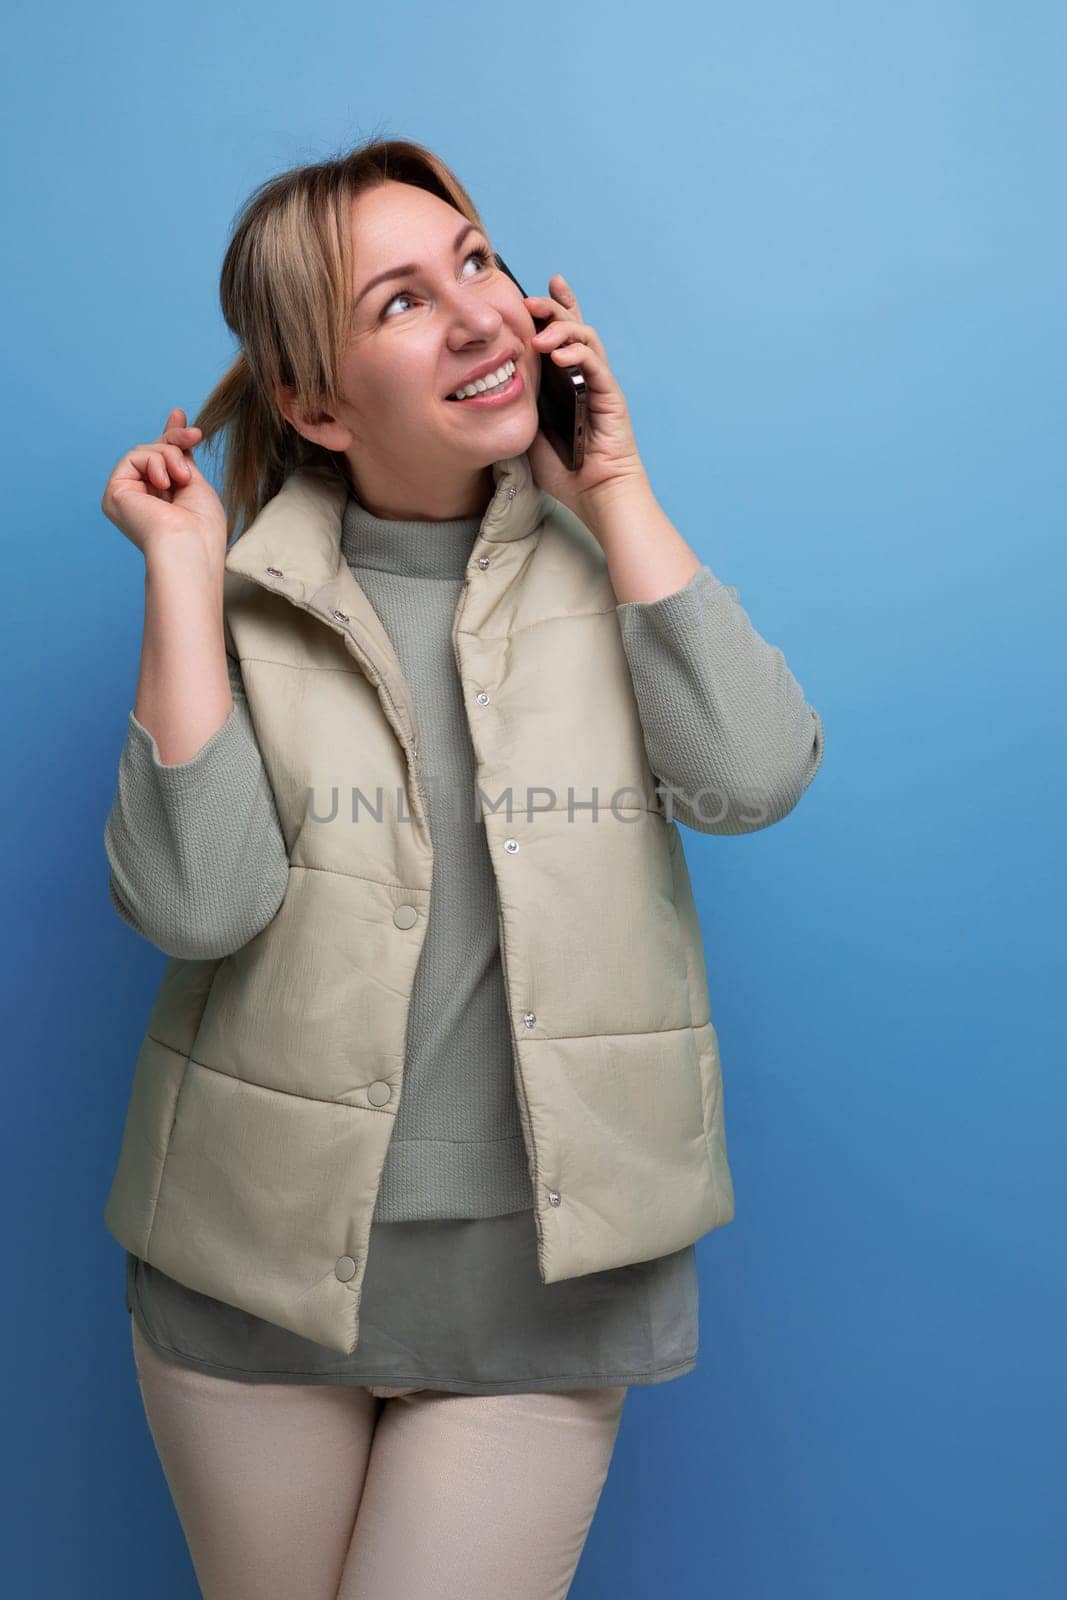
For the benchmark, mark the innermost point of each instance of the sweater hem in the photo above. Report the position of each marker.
(556, 1381)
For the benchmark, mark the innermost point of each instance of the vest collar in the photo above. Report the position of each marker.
(293, 548)
(294, 545)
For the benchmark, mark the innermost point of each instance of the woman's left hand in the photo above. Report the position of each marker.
(611, 453)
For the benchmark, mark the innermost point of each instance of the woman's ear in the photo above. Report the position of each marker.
(320, 428)
(284, 399)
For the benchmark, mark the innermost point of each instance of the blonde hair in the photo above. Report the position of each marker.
(286, 295)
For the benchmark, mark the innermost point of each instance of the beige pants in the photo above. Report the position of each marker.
(334, 1492)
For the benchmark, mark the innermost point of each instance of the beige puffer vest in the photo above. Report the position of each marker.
(265, 1088)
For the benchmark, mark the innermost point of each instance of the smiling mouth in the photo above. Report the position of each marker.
(497, 388)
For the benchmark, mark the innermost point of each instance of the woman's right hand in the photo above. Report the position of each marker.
(157, 495)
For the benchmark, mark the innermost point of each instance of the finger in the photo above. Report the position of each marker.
(564, 329)
(175, 419)
(546, 337)
(165, 471)
(176, 426)
(594, 368)
(543, 305)
(555, 330)
(180, 469)
(564, 294)
(561, 294)
(132, 469)
(148, 465)
(185, 438)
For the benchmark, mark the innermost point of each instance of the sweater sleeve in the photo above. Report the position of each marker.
(197, 857)
(727, 729)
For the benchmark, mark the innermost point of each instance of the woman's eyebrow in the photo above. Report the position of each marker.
(413, 266)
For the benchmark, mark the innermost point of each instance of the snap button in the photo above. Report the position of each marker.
(553, 1197)
(482, 698)
(511, 845)
(378, 1093)
(529, 1018)
(275, 572)
(511, 491)
(345, 1268)
(405, 916)
(342, 616)
(483, 562)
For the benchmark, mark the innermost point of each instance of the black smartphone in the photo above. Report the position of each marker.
(561, 401)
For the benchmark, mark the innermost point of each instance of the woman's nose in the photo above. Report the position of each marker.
(481, 320)
(467, 320)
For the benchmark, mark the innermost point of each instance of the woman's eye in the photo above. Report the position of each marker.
(483, 256)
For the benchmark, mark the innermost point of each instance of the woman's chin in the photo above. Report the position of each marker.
(505, 436)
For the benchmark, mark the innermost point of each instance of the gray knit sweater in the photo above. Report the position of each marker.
(198, 863)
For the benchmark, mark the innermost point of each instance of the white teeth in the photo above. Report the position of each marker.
(492, 380)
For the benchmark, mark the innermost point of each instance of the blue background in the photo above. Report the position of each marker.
(824, 246)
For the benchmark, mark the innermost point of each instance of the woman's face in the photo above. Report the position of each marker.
(416, 336)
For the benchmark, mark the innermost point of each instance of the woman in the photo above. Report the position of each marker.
(383, 1340)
